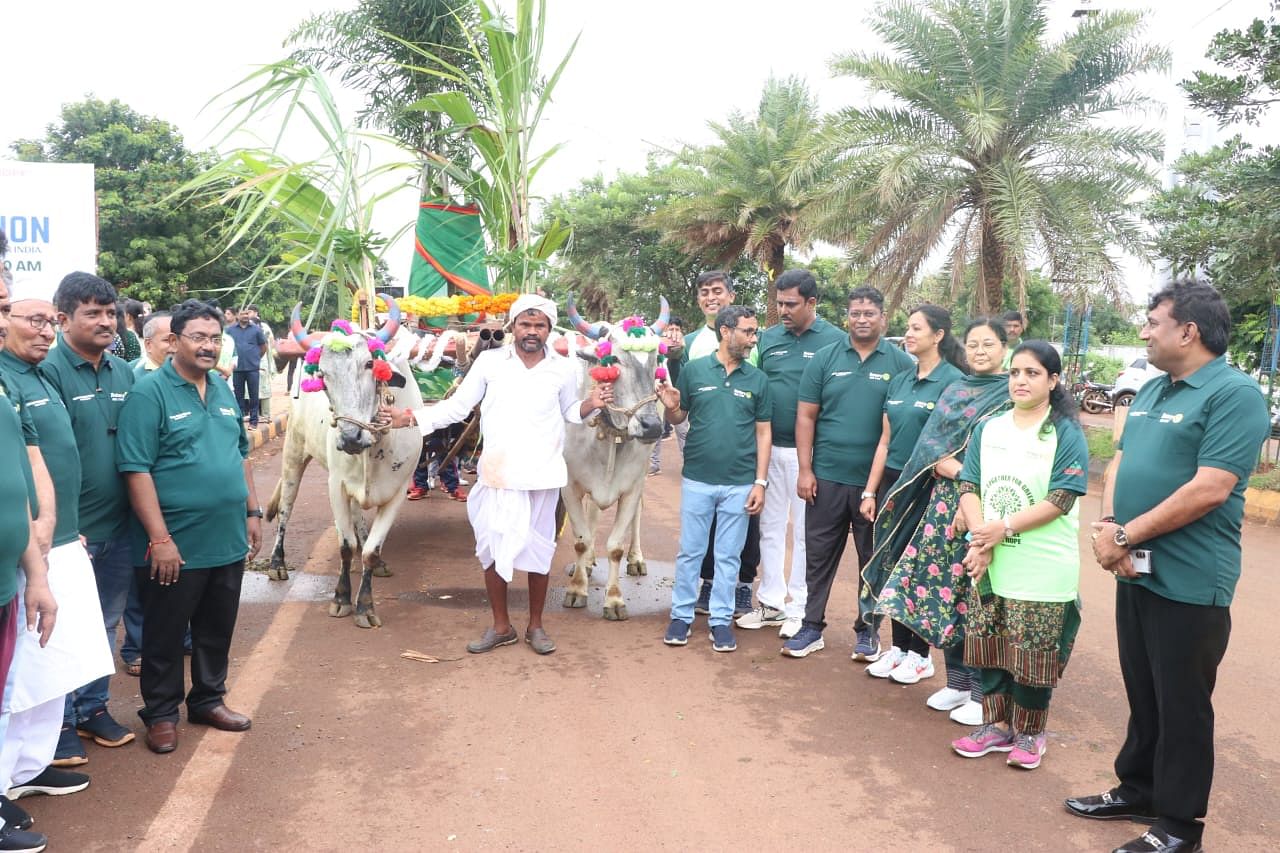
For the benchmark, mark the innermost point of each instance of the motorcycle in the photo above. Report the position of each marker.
(1095, 397)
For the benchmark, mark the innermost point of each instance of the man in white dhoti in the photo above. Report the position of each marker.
(526, 392)
(40, 677)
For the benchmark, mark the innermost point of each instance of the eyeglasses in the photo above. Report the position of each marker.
(39, 322)
(864, 315)
(976, 345)
(202, 340)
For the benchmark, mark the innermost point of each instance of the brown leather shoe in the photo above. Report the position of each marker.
(162, 737)
(221, 717)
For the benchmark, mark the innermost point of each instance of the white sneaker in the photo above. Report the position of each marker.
(884, 666)
(760, 617)
(968, 714)
(946, 699)
(912, 668)
(790, 626)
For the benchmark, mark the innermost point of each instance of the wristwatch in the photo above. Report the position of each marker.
(1121, 538)
(256, 512)
(866, 495)
(764, 484)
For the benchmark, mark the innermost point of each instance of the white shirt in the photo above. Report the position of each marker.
(522, 415)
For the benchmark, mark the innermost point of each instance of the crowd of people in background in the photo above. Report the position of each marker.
(955, 463)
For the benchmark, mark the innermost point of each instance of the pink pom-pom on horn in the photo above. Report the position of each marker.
(376, 345)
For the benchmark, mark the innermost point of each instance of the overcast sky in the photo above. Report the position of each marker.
(644, 74)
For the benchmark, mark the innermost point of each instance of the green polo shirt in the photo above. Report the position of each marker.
(850, 394)
(167, 431)
(1214, 418)
(783, 358)
(57, 441)
(15, 532)
(723, 411)
(30, 438)
(94, 399)
(908, 406)
(703, 341)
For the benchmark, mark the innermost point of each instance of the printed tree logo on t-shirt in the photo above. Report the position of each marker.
(1005, 495)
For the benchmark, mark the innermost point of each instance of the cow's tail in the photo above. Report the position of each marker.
(273, 506)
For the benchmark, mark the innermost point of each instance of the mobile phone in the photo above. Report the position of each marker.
(1141, 559)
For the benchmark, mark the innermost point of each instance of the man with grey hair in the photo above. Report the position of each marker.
(157, 344)
(526, 391)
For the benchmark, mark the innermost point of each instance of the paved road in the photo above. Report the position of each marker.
(616, 741)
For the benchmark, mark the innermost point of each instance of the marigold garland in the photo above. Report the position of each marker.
(447, 306)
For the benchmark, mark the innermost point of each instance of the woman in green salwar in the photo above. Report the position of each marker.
(1022, 477)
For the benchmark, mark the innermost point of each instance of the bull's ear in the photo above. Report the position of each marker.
(397, 379)
(588, 356)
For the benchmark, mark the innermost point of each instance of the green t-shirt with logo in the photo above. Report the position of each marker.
(194, 450)
(908, 405)
(723, 408)
(1214, 418)
(57, 441)
(15, 496)
(94, 399)
(850, 394)
(783, 356)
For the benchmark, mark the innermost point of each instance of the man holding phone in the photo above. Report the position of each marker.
(1170, 532)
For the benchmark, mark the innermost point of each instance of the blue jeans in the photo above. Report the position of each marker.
(113, 570)
(699, 504)
(131, 648)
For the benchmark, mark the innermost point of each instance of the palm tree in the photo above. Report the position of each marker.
(992, 142)
(741, 195)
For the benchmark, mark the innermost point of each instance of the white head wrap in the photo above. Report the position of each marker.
(532, 302)
(28, 287)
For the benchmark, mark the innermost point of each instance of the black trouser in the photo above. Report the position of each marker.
(748, 561)
(827, 524)
(247, 380)
(1169, 656)
(209, 600)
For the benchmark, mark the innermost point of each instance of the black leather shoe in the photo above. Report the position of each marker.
(1108, 806)
(1156, 840)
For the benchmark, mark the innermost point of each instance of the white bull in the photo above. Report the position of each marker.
(607, 459)
(369, 466)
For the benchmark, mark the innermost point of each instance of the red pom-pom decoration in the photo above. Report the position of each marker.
(660, 373)
(606, 374)
(381, 370)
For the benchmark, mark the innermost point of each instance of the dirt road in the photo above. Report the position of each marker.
(617, 742)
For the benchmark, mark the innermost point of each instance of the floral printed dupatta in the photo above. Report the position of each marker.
(914, 573)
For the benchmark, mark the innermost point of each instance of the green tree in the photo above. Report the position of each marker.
(742, 196)
(149, 248)
(372, 48)
(992, 142)
(617, 262)
(1254, 55)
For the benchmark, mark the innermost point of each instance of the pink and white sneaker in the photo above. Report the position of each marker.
(989, 738)
(1027, 750)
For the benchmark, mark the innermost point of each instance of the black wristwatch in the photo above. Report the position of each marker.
(254, 513)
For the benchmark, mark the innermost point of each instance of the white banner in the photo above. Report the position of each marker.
(49, 213)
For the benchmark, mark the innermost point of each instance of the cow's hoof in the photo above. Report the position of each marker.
(368, 620)
(615, 612)
(339, 610)
(637, 568)
(278, 573)
(574, 599)
(381, 571)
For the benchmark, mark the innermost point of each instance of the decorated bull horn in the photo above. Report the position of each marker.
(300, 334)
(592, 331)
(664, 316)
(388, 331)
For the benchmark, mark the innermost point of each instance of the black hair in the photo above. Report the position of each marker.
(1012, 317)
(1202, 304)
(801, 280)
(729, 315)
(80, 288)
(711, 277)
(993, 323)
(253, 308)
(676, 321)
(1061, 405)
(867, 293)
(192, 309)
(4, 243)
(939, 320)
